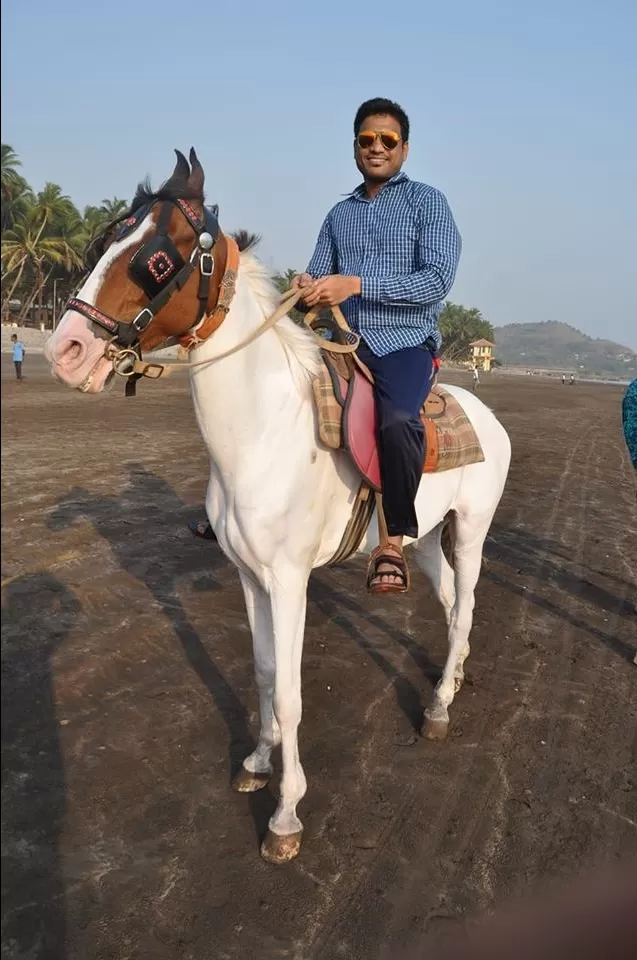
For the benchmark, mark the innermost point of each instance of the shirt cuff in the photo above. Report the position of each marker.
(371, 288)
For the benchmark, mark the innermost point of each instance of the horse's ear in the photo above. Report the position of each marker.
(179, 176)
(197, 176)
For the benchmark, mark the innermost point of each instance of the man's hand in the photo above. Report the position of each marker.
(328, 291)
(301, 280)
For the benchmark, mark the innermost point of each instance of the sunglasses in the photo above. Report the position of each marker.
(367, 138)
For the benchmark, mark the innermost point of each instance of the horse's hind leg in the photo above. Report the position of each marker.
(257, 768)
(433, 563)
(467, 560)
(431, 559)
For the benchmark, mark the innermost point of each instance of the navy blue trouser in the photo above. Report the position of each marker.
(402, 384)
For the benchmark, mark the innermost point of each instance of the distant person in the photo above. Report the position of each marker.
(476, 379)
(629, 420)
(18, 356)
(563, 378)
(571, 380)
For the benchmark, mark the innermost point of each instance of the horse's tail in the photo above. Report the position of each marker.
(448, 538)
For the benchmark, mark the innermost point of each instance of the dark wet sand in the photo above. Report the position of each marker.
(127, 697)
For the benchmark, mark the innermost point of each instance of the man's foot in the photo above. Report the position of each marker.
(202, 529)
(387, 571)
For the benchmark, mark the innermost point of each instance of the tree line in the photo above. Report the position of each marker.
(44, 236)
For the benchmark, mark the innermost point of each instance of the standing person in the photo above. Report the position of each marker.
(563, 378)
(18, 352)
(388, 254)
(476, 379)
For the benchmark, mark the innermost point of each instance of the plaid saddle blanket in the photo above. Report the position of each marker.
(344, 399)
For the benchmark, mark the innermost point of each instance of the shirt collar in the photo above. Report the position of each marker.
(359, 191)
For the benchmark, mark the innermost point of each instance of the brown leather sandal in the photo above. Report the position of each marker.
(393, 556)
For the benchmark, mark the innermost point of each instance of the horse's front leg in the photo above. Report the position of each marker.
(288, 598)
(257, 768)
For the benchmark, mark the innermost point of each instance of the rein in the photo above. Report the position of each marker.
(153, 371)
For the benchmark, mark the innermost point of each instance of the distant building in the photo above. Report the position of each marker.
(482, 354)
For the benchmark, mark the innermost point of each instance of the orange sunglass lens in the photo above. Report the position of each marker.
(388, 138)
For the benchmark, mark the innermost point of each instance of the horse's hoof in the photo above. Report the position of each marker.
(435, 729)
(247, 782)
(276, 849)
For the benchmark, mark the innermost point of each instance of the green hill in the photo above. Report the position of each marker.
(558, 346)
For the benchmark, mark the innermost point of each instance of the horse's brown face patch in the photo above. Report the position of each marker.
(129, 284)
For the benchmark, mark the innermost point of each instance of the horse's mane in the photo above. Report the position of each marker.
(245, 240)
(297, 341)
(168, 191)
(144, 195)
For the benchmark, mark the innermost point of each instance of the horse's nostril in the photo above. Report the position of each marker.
(70, 353)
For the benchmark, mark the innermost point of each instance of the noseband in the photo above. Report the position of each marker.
(160, 270)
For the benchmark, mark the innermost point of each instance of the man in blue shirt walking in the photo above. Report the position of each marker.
(388, 254)
(17, 355)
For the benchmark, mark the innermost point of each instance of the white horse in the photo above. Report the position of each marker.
(277, 499)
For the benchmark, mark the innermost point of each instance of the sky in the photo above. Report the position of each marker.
(523, 114)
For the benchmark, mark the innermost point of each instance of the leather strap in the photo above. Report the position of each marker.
(154, 371)
(212, 321)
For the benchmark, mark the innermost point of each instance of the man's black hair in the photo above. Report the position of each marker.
(379, 106)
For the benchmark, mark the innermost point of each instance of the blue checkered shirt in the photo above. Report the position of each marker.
(405, 247)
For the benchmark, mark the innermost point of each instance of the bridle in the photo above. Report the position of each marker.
(160, 270)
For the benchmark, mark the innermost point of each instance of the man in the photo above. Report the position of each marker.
(629, 420)
(476, 378)
(388, 254)
(18, 356)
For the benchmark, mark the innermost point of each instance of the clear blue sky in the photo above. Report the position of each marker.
(522, 113)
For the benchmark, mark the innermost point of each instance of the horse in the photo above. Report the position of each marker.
(277, 498)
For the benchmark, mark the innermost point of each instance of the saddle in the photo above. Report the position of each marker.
(344, 398)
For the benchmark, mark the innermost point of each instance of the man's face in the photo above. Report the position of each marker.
(379, 148)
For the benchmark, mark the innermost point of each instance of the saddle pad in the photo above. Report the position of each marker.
(458, 443)
(451, 440)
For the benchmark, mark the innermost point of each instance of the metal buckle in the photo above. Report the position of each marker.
(206, 264)
(124, 362)
(138, 324)
(153, 371)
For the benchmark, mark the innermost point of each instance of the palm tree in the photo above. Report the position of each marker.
(43, 239)
(284, 280)
(9, 166)
(97, 218)
(112, 209)
(16, 192)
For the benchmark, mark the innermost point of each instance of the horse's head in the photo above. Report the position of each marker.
(162, 272)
